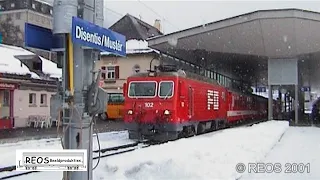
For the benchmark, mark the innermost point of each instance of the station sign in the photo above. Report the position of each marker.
(41, 38)
(91, 35)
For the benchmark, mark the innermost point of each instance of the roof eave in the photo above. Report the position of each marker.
(256, 15)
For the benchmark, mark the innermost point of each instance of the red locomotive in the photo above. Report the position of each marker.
(169, 104)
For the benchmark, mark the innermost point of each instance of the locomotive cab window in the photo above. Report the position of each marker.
(142, 89)
(166, 89)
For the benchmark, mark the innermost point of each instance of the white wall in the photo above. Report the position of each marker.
(22, 109)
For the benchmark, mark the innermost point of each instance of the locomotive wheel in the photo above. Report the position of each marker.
(187, 131)
(201, 128)
(191, 131)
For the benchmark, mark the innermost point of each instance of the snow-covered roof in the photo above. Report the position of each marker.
(10, 64)
(49, 67)
(134, 46)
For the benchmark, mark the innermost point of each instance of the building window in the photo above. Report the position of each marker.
(51, 11)
(12, 5)
(103, 72)
(43, 99)
(33, 6)
(136, 68)
(5, 96)
(32, 99)
(18, 15)
(111, 70)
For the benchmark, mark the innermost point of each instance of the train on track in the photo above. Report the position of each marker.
(168, 104)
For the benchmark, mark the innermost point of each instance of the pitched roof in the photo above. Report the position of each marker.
(134, 28)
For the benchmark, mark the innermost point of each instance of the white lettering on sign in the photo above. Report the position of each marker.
(5, 85)
(213, 99)
(115, 45)
(95, 38)
(149, 105)
(89, 37)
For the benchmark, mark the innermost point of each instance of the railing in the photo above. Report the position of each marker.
(40, 121)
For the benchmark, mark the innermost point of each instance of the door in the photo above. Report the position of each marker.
(191, 103)
(5, 109)
(223, 104)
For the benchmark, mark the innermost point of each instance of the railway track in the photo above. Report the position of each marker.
(107, 152)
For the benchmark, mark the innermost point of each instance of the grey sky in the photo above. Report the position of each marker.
(178, 15)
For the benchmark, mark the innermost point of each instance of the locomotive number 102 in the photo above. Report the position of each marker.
(148, 104)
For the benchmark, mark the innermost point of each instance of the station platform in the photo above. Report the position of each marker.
(28, 133)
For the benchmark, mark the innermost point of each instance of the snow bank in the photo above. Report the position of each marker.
(213, 156)
(10, 64)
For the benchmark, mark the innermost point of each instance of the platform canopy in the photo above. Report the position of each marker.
(249, 38)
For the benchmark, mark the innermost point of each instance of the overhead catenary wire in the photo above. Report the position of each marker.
(156, 13)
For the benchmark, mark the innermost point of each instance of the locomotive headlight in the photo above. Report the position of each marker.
(130, 112)
(166, 112)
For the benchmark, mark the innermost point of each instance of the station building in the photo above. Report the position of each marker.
(27, 82)
(277, 50)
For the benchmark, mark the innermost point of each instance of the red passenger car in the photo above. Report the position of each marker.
(166, 105)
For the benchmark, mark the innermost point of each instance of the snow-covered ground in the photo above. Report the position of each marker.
(210, 156)
(108, 139)
(298, 145)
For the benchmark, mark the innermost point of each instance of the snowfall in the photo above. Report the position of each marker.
(209, 156)
(10, 63)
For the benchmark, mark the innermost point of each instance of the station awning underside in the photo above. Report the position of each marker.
(246, 39)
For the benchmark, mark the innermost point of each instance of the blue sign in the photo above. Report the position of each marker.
(261, 89)
(0, 38)
(41, 38)
(306, 88)
(91, 35)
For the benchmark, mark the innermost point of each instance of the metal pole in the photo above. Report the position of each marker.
(270, 102)
(296, 103)
(78, 83)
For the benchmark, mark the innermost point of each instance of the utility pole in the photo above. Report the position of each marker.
(79, 97)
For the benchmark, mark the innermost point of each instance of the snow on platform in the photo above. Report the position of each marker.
(298, 145)
(204, 157)
(211, 156)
